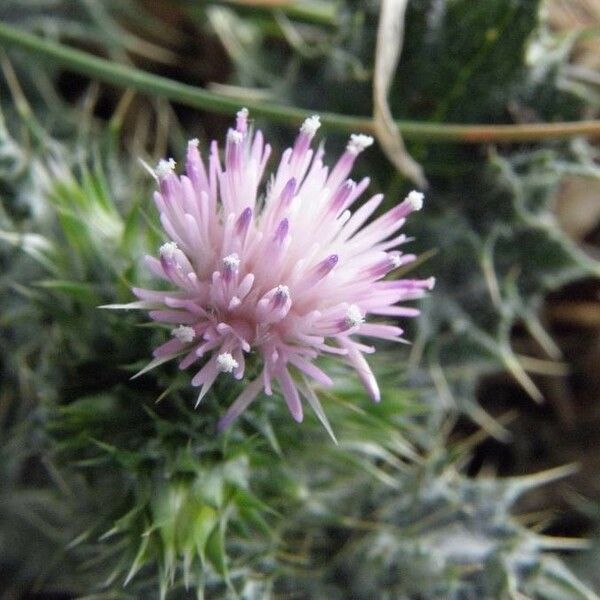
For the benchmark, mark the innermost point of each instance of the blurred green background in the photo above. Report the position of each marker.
(477, 475)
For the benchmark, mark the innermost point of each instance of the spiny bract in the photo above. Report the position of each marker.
(289, 275)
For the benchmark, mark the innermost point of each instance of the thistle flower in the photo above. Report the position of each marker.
(288, 276)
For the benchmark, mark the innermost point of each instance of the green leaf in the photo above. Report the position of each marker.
(81, 292)
(215, 550)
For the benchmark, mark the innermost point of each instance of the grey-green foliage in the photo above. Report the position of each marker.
(436, 534)
(101, 484)
(443, 536)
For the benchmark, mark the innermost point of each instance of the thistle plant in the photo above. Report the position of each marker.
(116, 488)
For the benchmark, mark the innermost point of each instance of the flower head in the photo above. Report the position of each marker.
(288, 276)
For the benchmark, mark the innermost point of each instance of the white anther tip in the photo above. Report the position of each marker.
(184, 334)
(282, 290)
(232, 261)
(358, 142)
(395, 260)
(354, 316)
(235, 137)
(226, 363)
(168, 250)
(416, 200)
(310, 125)
(164, 167)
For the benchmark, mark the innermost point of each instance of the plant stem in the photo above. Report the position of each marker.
(311, 11)
(129, 77)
